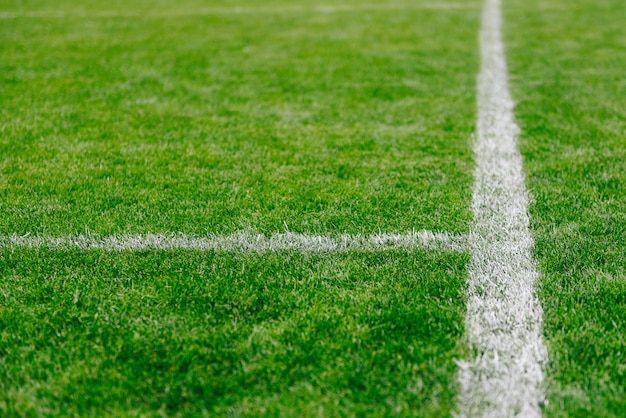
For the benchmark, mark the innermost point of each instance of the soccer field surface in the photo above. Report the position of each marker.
(237, 207)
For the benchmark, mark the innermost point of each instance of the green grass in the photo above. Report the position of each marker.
(91, 333)
(567, 60)
(284, 116)
(345, 122)
(356, 121)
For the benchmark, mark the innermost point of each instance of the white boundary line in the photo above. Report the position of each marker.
(235, 10)
(243, 242)
(504, 318)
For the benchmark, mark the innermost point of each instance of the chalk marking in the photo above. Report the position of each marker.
(504, 318)
(243, 241)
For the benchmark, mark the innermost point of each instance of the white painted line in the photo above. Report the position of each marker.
(244, 242)
(504, 318)
(235, 10)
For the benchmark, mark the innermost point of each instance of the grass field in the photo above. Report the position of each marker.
(566, 61)
(217, 117)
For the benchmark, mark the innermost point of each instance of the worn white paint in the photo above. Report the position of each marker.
(243, 242)
(504, 319)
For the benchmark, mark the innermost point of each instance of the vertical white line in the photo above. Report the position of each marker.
(503, 324)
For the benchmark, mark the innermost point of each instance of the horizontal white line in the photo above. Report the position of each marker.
(235, 10)
(242, 242)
